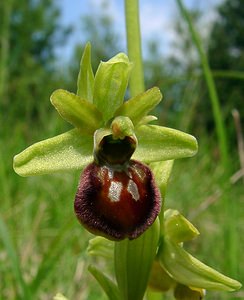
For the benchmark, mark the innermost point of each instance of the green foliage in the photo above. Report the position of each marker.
(30, 33)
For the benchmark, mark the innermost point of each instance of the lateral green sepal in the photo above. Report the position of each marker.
(77, 111)
(139, 106)
(110, 84)
(85, 82)
(157, 143)
(71, 150)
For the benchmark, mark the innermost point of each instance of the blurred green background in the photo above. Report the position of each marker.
(42, 246)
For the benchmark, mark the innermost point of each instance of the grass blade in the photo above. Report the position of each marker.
(15, 264)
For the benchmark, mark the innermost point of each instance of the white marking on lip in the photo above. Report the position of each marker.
(110, 173)
(133, 190)
(114, 192)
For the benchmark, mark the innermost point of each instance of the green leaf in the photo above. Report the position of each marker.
(162, 171)
(78, 112)
(156, 143)
(139, 106)
(133, 262)
(85, 83)
(188, 270)
(14, 260)
(177, 228)
(106, 283)
(50, 257)
(110, 85)
(68, 151)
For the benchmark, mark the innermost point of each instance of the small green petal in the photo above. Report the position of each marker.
(78, 112)
(177, 228)
(147, 119)
(187, 270)
(133, 262)
(110, 85)
(156, 143)
(139, 106)
(68, 151)
(85, 83)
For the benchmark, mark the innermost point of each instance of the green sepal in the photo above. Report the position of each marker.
(139, 106)
(65, 152)
(187, 270)
(77, 111)
(101, 247)
(109, 287)
(110, 84)
(177, 228)
(85, 82)
(156, 143)
(133, 262)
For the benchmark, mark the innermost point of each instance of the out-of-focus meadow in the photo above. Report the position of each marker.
(42, 246)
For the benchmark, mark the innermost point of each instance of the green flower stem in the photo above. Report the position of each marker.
(134, 46)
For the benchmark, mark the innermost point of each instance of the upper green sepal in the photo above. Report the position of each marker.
(77, 111)
(85, 82)
(139, 106)
(110, 84)
(65, 152)
(157, 143)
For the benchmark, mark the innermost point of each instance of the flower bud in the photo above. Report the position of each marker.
(117, 202)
